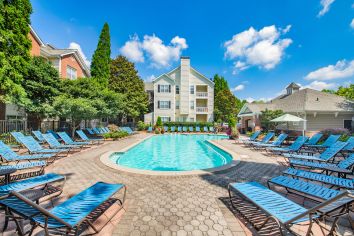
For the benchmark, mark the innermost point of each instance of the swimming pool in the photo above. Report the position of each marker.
(174, 152)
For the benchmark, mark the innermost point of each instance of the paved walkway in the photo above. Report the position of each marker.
(181, 205)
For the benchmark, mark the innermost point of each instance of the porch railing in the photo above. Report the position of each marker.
(202, 109)
(202, 94)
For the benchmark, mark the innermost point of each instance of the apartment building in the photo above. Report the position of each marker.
(183, 94)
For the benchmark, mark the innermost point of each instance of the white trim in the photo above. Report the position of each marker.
(36, 36)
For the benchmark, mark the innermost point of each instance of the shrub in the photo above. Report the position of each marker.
(158, 122)
(142, 126)
(115, 135)
(157, 131)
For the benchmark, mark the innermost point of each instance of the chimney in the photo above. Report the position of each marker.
(184, 87)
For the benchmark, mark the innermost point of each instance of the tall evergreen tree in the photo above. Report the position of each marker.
(14, 49)
(125, 80)
(100, 65)
(220, 84)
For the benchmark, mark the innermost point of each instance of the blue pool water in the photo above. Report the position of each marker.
(175, 152)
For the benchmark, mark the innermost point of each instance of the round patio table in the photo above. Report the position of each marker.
(7, 171)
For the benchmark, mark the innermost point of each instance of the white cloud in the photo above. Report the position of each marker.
(320, 85)
(132, 50)
(77, 46)
(341, 69)
(352, 24)
(238, 88)
(262, 48)
(250, 99)
(160, 54)
(150, 78)
(325, 7)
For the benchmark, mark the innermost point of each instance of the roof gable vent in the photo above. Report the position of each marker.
(292, 88)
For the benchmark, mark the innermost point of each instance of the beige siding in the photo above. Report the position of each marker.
(323, 121)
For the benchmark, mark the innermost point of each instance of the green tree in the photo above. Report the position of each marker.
(74, 109)
(158, 122)
(98, 100)
(14, 49)
(41, 84)
(100, 65)
(347, 92)
(225, 106)
(124, 79)
(220, 84)
(267, 116)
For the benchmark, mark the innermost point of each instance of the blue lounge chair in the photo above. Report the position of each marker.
(314, 139)
(322, 178)
(197, 129)
(278, 142)
(252, 138)
(90, 131)
(54, 134)
(173, 129)
(67, 140)
(128, 130)
(184, 129)
(68, 215)
(329, 141)
(27, 169)
(284, 212)
(8, 155)
(306, 189)
(342, 168)
(17, 136)
(107, 129)
(325, 156)
(97, 131)
(84, 137)
(205, 129)
(179, 129)
(34, 147)
(350, 145)
(165, 128)
(149, 129)
(211, 129)
(30, 183)
(264, 140)
(190, 129)
(294, 147)
(38, 136)
(54, 143)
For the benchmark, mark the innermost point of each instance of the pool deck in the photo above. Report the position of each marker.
(169, 205)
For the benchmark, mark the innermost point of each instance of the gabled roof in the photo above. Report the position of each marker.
(36, 37)
(305, 100)
(51, 51)
(166, 76)
(178, 68)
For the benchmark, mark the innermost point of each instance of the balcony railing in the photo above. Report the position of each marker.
(202, 109)
(202, 94)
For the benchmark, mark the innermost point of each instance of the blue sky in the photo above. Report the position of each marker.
(258, 46)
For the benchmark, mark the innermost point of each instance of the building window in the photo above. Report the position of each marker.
(71, 73)
(164, 104)
(191, 105)
(163, 88)
(191, 119)
(177, 89)
(165, 119)
(177, 104)
(191, 88)
(349, 125)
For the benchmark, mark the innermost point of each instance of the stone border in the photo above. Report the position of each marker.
(105, 159)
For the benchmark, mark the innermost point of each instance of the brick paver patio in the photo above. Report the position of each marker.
(164, 205)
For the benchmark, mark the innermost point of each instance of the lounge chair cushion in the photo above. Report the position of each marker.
(30, 183)
(328, 179)
(312, 189)
(271, 202)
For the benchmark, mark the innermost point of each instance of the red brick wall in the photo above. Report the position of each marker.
(36, 47)
(70, 60)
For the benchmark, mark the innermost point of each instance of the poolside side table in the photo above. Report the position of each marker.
(7, 173)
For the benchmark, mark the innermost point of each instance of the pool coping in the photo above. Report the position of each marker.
(105, 159)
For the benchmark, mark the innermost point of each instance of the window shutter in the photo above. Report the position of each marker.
(169, 88)
(158, 88)
(158, 103)
(169, 104)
